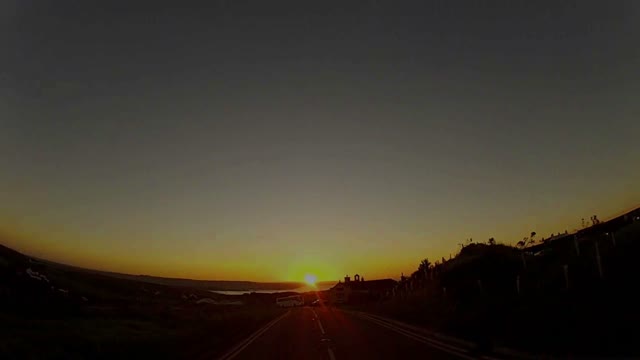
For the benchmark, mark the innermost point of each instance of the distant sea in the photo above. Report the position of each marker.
(319, 287)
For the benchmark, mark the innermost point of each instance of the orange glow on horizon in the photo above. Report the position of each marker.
(296, 262)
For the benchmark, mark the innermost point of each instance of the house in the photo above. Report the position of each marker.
(358, 290)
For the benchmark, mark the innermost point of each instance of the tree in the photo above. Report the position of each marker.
(425, 265)
(491, 241)
(527, 241)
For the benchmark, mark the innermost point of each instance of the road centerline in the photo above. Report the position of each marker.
(332, 356)
(318, 320)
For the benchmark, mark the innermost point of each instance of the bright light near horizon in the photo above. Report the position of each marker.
(310, 279)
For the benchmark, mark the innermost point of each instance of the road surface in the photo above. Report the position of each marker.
(332, 334)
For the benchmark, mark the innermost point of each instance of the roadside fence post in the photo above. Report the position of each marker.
(599, 260)
(613, 239)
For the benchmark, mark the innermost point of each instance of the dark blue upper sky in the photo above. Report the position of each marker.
(361, 134)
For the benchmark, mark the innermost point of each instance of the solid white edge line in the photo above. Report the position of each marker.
(424, 338)
(426, 342)
(433, 341)
(240, 346)
(251, 339)
(419, 338)
(440, 339)
(456, 343)
(246, 342)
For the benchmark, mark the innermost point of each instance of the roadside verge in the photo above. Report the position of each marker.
(458, 347)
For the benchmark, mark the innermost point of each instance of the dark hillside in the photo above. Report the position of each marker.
(50, 311)
(575, 295)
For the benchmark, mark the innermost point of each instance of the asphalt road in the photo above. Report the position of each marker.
(330, 333)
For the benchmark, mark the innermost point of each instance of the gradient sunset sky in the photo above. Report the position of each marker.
(262, 140)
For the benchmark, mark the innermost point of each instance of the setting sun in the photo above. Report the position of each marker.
(310, 279)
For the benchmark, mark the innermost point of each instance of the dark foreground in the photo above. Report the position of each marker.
(48, 311)
(331, 333)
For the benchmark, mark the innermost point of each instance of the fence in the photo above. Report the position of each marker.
(569, 296)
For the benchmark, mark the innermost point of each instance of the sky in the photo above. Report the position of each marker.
(263, 140)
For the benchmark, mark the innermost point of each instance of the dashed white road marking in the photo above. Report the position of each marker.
(318, 320)
(332, 356)
(418, 337)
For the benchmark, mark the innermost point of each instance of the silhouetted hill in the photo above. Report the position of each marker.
(48, 310)
(11, 257)
(214, 285)
(219, 285)
(574, 294)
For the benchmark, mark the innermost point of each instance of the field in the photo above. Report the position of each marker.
(50, 311)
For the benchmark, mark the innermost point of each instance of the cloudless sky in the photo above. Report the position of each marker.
(262, 140)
